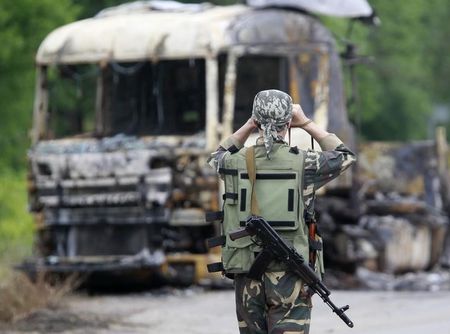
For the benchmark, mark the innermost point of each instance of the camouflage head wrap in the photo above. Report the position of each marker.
(273, 110)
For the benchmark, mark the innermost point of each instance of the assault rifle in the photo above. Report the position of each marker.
(275, 248)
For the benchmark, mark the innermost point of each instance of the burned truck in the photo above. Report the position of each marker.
(128, 106)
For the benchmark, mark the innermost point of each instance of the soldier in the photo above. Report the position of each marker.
(279, 302)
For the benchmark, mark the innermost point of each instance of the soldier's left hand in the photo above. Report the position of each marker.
(298, 116)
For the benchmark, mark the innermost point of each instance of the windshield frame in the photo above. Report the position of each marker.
(291, 53)
(209, 98)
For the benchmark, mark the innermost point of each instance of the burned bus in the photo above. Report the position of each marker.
(128, 106)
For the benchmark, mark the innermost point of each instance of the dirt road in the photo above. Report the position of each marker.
(195, 311)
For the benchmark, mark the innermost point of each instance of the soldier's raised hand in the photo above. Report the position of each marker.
(298, 116)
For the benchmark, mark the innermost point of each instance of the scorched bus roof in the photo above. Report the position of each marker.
(139, 31)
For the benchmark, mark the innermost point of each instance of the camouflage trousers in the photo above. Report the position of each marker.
(278, 304)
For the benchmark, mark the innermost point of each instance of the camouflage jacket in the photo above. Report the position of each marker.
(320, 166)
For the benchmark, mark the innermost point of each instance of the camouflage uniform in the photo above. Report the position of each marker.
(279, 304)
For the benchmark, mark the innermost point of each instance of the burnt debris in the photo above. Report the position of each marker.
(393, 229)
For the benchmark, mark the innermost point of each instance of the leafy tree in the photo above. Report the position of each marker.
(90, 8)
(23, 25)
(437, 48)
(397, 93)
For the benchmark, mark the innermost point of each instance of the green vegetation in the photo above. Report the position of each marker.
(16, 228)
(23, 25)
(397, 93)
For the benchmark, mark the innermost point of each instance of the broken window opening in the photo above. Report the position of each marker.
(164, 98)
(256, 73)
(71, 100)
(261, 72)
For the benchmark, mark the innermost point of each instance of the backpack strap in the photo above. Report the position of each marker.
(251, 170)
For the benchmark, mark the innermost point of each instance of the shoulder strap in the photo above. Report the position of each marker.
(251, 170)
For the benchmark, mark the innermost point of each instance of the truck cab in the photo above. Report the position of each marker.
(128, 106)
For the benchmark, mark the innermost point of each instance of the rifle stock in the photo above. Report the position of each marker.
(238, 234)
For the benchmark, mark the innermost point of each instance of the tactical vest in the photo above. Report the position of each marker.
(279, 192)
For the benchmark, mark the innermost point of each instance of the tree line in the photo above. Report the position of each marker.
(397, 92)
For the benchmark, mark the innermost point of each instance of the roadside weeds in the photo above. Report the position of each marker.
(20, 296)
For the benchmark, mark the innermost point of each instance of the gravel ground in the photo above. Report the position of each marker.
(196, 311)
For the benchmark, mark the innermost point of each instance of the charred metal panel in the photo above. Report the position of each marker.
(409, 169)
(115, 215)
(109, 200)
(121, 171)
(106, 240)
(397, 223)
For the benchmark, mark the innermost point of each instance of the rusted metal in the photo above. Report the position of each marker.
(229, 95)
(180, 265)
(40, 105)
(321, 92)
(212, 102)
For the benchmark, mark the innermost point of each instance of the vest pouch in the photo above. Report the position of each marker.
(231, 224)
(230, 177)
(238, 260)
(277, 196)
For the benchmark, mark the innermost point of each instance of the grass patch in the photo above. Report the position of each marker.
(16, 225)
(20, 296)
